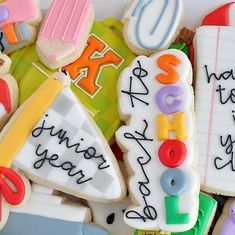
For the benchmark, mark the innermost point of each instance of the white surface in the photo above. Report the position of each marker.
(194, 9)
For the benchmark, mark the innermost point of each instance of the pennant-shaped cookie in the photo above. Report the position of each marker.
(53, 139)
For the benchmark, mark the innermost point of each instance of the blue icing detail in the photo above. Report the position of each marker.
(139, 4)
(21, 41)
(91, 229)
(137, 28)
(174, 182)
(27, 224)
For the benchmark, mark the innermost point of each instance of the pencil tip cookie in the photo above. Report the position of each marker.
(52, 135)
(156, 102)
(18, 22)
(8, 91)
(151, 25)
(64, 32)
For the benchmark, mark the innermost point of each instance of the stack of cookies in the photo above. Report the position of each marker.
(116, 128)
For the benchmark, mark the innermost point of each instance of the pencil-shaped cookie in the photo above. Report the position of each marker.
(64, 32)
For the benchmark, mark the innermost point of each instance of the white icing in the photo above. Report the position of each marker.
(102, 176)
(232, 15)
(52, 207)
(38, 188)
(3, 111)
(5, 68)
(145, 15)
(154, 168)
(215, 48)
(55, 50)
(64, 79)
(101, 212)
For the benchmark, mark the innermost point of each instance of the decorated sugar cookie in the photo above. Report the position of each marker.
(214, 102)
(64, 32)
(8, 91)
(151, 25)
(15, 189)
(45, 213)
(207, 209)
(53, 139)
(226, 223)
(156, 101)
(110, 216)
(94, 75)
(18, 21)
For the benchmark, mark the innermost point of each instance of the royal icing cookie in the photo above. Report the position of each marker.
(64, 32)
(94, 75)
(8, 91)
(151, 25)
(156, 102)
(18, 21)
(52, 135)
(214, 106)
(15, 189)
(207, 209)
(110, 216)
(45, 213)
(226, 223)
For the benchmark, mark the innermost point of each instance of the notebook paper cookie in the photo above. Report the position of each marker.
(55, 142)
(156, 102)
(151, 25)
(215, 111)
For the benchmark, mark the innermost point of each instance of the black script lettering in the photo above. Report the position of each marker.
(62, 135)
(1, 43)
(53, 162)
(148, 212)
(228, 144)
(224, 75)
(138, 74)
(222, 95)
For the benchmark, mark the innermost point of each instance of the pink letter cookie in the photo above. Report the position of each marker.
(215, 107)
(64, 32)
(156, 102)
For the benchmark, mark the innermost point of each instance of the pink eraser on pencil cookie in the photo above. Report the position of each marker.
(64, 32)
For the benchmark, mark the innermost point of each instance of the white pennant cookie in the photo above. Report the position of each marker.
(53, 139)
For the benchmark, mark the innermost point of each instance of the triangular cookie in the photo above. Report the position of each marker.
(54, 140)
